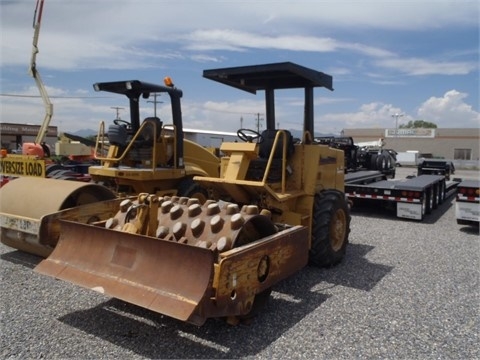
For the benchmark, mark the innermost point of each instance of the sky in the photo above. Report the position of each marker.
(418, 59)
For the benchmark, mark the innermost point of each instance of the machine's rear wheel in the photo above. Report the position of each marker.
(330, 228)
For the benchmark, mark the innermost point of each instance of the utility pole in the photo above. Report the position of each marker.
(155, 102)
(117, 109)
(241, 122)
(258, 122)
(396, 116)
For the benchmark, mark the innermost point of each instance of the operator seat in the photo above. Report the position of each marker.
(266, 146)
(145, 138)
(258, 166)
(117, 135)
(148, 131)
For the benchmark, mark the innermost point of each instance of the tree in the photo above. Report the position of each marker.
(416, 124)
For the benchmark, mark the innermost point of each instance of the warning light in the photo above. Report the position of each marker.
(168, 81)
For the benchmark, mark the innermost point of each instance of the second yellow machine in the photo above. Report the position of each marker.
(277, 204)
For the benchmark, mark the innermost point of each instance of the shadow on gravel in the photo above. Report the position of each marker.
(153, 335)
(470, 230)
(437, 213)
(373, 209)
(22, 258)
(357, 271)
(354, 272)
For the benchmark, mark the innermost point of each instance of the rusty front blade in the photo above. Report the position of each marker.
(160, 275)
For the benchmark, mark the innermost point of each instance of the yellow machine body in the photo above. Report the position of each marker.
(272, 207)
(309, 170)
(147, 162)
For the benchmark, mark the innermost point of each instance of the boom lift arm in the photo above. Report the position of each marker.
(36, 75)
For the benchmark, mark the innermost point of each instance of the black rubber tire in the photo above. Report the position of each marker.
(389, 161)
(191, 189)
(441, 192)
(430, 195)
(381, 162)
(51, 168)
(424, 207)
(436, 195)
(330, 228)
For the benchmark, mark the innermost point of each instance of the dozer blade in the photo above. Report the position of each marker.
(164, 276)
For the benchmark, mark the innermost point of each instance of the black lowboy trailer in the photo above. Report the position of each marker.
(370, 177)
(414, 197)
(467, 204)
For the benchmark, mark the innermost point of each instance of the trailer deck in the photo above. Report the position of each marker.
(414, 196)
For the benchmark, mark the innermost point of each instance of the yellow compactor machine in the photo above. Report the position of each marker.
(150, 156)
(133, 157)
(276, 205)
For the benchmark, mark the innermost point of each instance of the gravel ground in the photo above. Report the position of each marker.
(406, 290)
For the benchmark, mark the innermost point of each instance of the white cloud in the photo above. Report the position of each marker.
(178, 35)
(372, 115)
(80, 113)
(415, 66)
(90, 34)
(202, 58)
(449, 110)
(221, 39)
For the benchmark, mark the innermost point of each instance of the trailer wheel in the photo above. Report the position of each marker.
(191, 189)
(382, 162)
(441, 192)
(430, 196)
(330, 228)
(424, 206)
(436, 195)
(389, 160)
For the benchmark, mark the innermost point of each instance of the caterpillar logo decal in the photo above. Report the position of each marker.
(22, 167)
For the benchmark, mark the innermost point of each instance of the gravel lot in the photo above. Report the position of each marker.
(406, 290)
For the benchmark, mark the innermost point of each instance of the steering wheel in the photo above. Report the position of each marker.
(122, 122)
(249, 135)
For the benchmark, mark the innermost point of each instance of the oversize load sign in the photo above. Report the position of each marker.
(22, 167)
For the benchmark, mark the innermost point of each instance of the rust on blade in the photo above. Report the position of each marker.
(160, 275)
